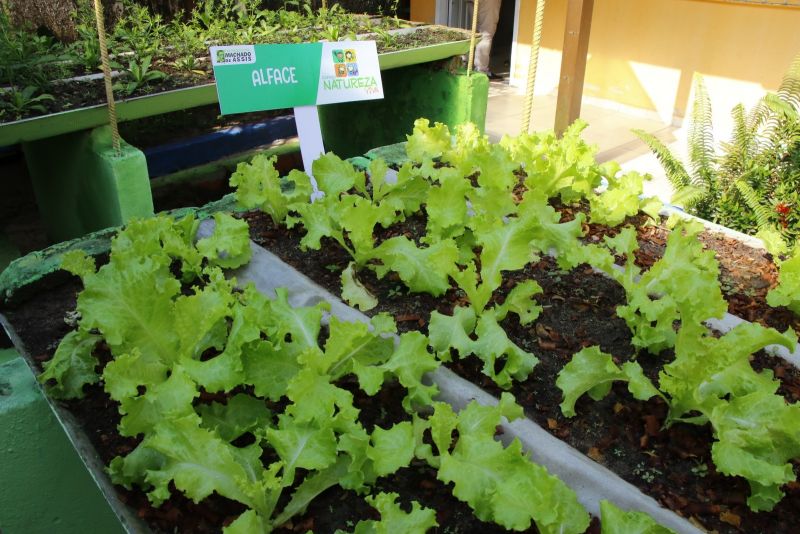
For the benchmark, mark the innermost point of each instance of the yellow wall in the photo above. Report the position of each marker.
(643, 53)
(423, 10)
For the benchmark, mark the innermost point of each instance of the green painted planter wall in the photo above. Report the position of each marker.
(410, 93)
(83, 185)
(45, 487)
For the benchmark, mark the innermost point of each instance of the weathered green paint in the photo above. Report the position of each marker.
(6, 355)
(45, 487)
(156, 104)
(392, 154)
(410, 93)
(83, 185)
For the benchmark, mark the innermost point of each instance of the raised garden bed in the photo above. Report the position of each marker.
(80, 104)
(576, 308)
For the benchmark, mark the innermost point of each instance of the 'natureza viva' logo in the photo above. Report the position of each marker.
(345, 68)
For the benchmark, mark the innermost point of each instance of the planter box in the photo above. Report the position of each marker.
(591, 481)
(47, 126)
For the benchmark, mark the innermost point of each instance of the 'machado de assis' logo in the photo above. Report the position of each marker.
(240, 55)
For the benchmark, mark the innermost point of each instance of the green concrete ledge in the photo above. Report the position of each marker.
(45, 487)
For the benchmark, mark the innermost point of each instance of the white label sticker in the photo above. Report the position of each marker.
(349, 71)
(233, 55)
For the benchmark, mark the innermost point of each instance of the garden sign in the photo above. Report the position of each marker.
(302, 76)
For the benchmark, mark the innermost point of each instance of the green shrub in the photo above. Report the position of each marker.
(751, 183)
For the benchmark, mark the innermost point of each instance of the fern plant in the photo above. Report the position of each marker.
(696, 187)
(751, 184)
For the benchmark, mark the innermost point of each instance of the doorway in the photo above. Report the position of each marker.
(458, 14)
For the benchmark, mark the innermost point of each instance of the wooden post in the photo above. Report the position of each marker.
(573, 63)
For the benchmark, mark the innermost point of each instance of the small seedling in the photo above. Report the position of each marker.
(22, 101)
(137, 74)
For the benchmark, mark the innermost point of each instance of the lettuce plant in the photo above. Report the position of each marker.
(176, 327)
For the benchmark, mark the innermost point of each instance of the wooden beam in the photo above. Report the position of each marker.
(573, 63)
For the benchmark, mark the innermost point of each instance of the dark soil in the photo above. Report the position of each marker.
(41, 330)
(746, 273)
(673, 465)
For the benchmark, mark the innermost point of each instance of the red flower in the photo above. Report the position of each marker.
(783, 208)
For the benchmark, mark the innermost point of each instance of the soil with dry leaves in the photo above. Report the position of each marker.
(672, 465)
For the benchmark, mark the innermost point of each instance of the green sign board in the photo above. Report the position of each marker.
(262, 77)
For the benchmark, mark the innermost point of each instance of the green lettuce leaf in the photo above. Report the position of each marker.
(334, 175)
(229, 245)
(616, 521)
(257, 185)
(620, 200)
(427, 141)
(241, 414)
(393, 519)
(392, 448)
(72, 366)
(423, 270)
(500, 483)
(757, 438)
(354, 293)
(521, 302)
(787, 293)
(593, 371)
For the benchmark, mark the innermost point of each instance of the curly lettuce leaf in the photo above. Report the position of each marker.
(242, 413)
(258, 185)
(620, 200)
(423, 270)
(394, 519)
(426, 141)
(500, 483)
(503, 360)
(72, 366)
(787, 293)
(683, 285)
(198, 463)
(78, 263)
(616, 521)
(353, 291)
(757, 438)
(521, 302)
(229, 245)
(593, 371)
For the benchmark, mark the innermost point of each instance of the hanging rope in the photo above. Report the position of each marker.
(473, 38)
(533, 63)
(112, 109)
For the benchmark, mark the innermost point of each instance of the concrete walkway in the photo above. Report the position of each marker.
(610, 129)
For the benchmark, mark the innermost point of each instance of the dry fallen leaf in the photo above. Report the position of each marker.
(730, 518)
(595, 454)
